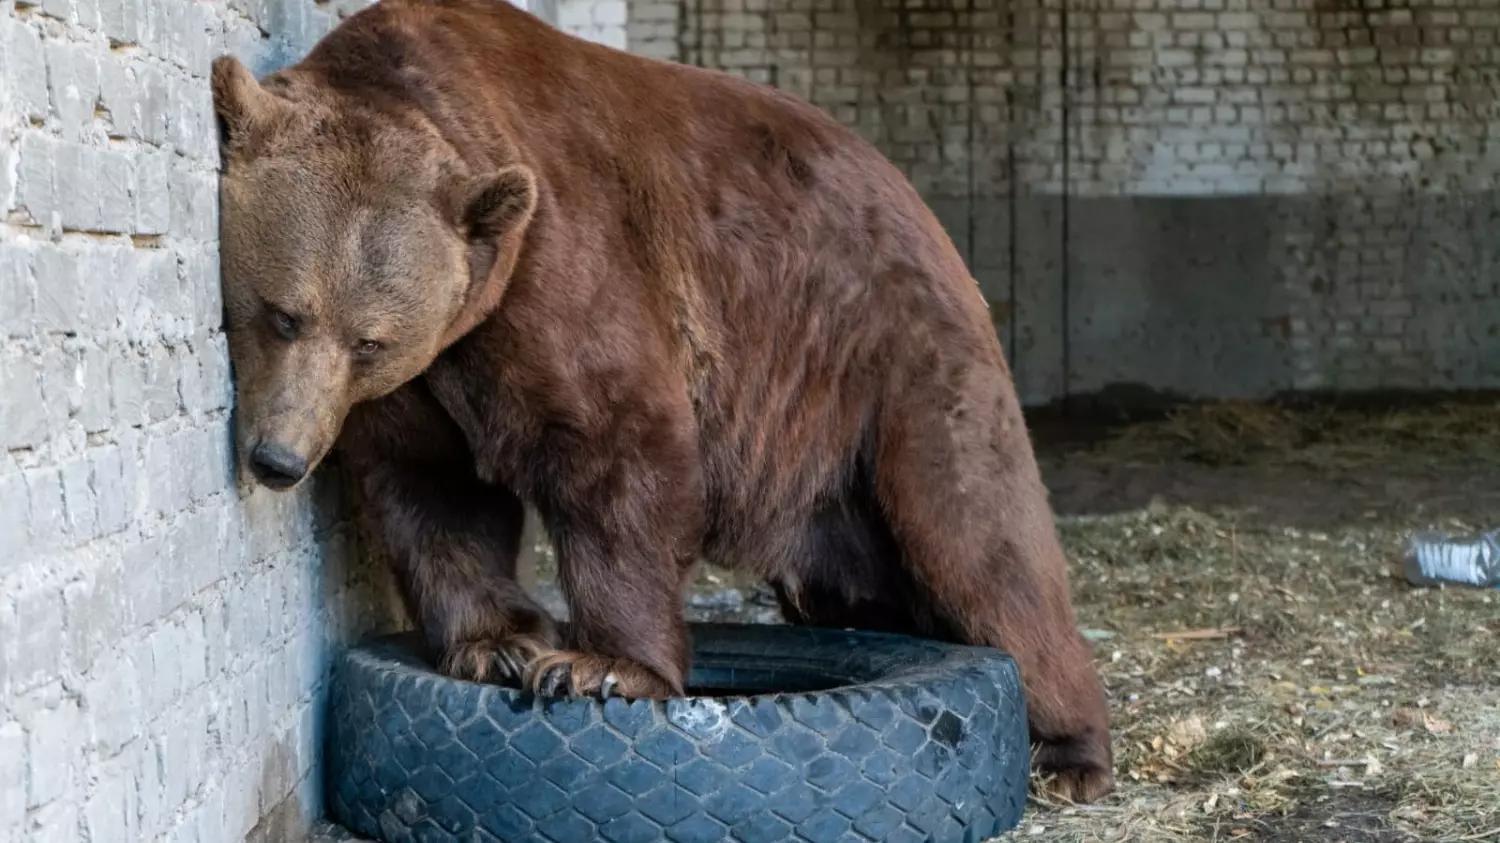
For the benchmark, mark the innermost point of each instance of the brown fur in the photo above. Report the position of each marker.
(681, 314)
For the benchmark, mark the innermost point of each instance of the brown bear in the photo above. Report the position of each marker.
(683, 315)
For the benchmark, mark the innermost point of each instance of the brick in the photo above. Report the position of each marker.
(159, 388)
(120, 20)
(108, 479)
(110, 813)
(35, 190)
(24, 66)
(119, 95)
(56, 823)
(127, 386)
(73, 82)
(62, 385)
(194, 205)
(137, 315)
(1192, 21)
(572, 14)
(152, 204)
(201, 284)
(53, 749)
(99, 287)
(111, 694)
(147, 561)
(181, 758)
(192, 129)
(12, 776)
(162, 288)
(10, 158)
(94, 409)
(195, 543)
(39, 636)
(113, 182)
(153, 103)
(80, 505)
(15, 519)
(199, 453)
(95, 607)
(59, 289)
(214, 377)
(144, 768)
(23, 413)
(241, 801)
(17, 291)
(164, 682)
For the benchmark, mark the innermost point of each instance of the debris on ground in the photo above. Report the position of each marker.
(1434, 559)
(1265, 680)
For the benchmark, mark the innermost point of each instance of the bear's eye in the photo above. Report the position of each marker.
(367, 348)
(284, 323)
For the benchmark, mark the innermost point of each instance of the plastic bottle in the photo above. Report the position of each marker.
(1438, 559)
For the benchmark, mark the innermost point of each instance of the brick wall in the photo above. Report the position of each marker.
(164, 633)
(164, 630)
(1212, 197)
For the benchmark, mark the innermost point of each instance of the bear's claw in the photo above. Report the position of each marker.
(571, 673)
(490, 660)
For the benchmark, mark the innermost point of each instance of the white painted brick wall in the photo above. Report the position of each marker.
(600, 21)
(164, 634)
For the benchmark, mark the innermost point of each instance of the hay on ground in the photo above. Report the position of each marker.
(1233, 433)
(1339, 698)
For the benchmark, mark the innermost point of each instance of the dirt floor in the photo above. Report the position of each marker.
(1271, 677)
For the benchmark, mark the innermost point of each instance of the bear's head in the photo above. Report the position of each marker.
(356, 245)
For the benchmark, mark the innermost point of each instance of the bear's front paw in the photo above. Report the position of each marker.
(586, 675)
(493, 660)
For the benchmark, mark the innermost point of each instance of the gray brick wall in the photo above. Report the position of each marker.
(1236, 197)
(164, 633)
(164, 630)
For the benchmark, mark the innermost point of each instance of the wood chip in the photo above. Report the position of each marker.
(1199, 634)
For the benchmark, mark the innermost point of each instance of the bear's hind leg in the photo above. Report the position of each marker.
(848, 572)
(957, 479)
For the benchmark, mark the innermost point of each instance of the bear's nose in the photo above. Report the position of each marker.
(277, 466)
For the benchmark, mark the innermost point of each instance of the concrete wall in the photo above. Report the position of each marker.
(164, 633)
(1213, 197)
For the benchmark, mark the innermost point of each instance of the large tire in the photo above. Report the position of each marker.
(868, 737)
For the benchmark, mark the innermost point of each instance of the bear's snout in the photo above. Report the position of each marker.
(277, 466)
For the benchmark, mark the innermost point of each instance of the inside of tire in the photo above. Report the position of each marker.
(765, 676)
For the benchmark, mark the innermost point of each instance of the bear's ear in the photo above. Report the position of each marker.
(239, 100)
(499, 203)
(492, 213)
